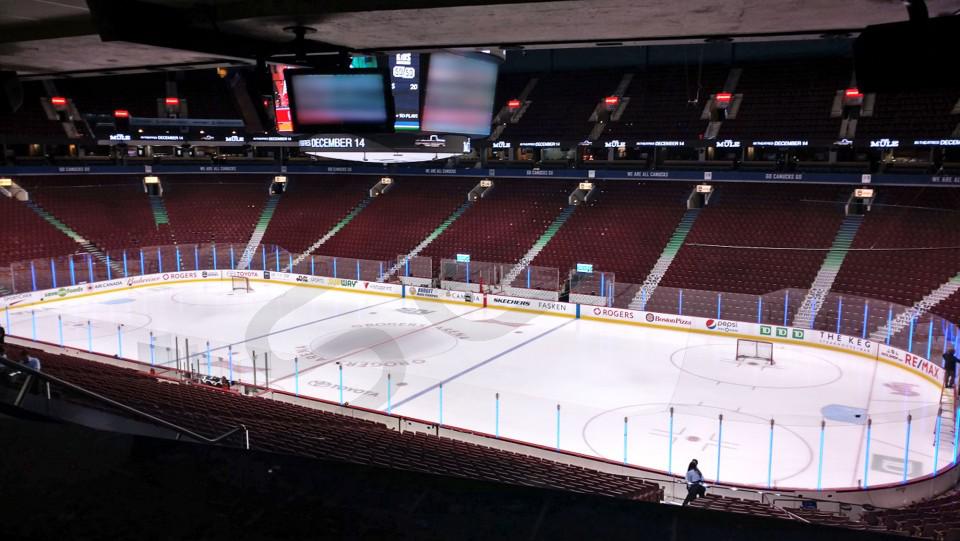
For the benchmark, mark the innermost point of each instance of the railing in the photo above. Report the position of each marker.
(181, 431)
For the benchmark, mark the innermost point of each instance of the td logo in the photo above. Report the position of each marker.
(765, 330)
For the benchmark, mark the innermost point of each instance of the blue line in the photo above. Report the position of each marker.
(481, 363)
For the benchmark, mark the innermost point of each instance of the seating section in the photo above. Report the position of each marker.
(206, 94)
(906, 246)
(661, 104)
(751, 239)
(758, 509)
(561, 105)
(285, 428)
(729, 247)
(502, 226)
(30, 120)
(938, 518)
(112, 211)
(622, 229)
(395, 222)
(788, 100)
(921, 114)
(210, 209)
(32, 237)
(311, 206)
(137, 94)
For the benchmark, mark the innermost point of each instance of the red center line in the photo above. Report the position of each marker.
(371, 346)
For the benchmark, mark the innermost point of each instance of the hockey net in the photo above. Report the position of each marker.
(240, 283)
(755, 350)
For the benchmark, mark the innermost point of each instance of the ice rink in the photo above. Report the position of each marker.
(596, 388)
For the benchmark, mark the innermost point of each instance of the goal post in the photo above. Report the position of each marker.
(757, 350)
(240, 283)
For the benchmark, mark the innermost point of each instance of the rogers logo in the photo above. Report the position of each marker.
(619, 314)
(179, 275)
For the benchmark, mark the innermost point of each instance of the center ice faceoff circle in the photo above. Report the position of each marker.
(378, 345)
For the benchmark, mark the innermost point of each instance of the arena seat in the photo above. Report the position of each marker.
(43, 239)
(561, 104)
(660, 107)
(312, 205)
(285, 428)
(203, 210)
(906, 246)
(622, 229)
(501, 227)
(920, 114)
(751, 238)
(395, 222)
(112, 211)
(788, 100)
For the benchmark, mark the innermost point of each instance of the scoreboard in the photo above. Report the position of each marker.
(405, 83)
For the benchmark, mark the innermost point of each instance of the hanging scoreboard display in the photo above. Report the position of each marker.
(405, 83)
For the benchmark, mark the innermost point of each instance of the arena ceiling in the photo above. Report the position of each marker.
(47, 37)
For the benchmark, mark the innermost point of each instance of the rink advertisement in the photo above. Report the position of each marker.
(913, 362)
(532, 305)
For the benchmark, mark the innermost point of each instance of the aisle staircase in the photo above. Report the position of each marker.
(160, 216)
(329, 234)
(84, 244)
(258, 231)
(921, 307)
(822, 284)
(539, 245)
(662, 265)
(427, 240)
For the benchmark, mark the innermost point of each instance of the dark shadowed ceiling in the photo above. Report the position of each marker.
(42, 37)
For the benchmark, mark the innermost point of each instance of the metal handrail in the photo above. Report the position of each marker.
(181, 431)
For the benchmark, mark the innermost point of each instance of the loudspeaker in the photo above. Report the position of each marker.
(913, 55)
(11, 93)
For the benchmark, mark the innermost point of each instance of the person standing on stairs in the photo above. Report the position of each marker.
(949, 368)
